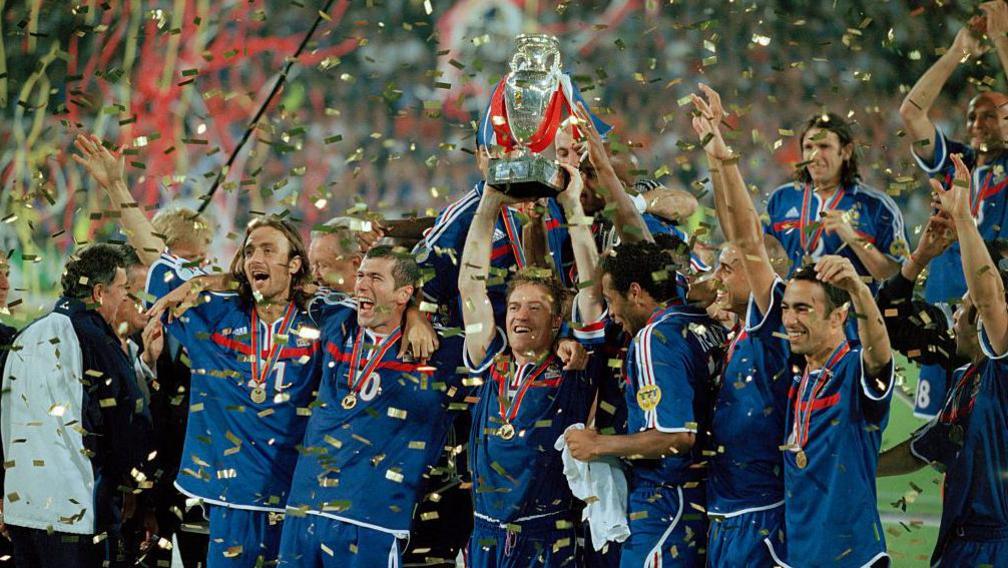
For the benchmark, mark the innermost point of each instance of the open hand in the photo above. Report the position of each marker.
(938, 235)
(707, 124)
(597, 154)
(104, 166)
(153, 341)
(955, 201)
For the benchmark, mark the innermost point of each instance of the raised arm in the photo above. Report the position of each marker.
(108, 170)
(735, 209)
(997, 29)
(534, 235)
(585, 252)
(628, 221)
(669, 203)
(474, 269)
(876, 352)
(918, 102)
(906, 319)
(982, 277)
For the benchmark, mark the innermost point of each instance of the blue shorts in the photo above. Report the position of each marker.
(239, 537)
(665, 530)
(538, 543)
(748, 539)
(961, 552)
(313, 541)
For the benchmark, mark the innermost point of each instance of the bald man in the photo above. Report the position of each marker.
(983, 151)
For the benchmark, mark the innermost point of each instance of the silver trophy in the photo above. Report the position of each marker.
(534, 78)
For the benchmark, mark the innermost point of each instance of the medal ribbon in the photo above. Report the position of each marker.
(951, 412)
(977, 199)
(809, 244)
(803, 418)
(740, 334)
(356, 380)
(259, 378)
(508, 413)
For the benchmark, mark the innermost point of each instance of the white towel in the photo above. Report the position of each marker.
(602, 485)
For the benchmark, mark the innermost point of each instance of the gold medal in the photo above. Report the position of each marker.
(349, 401)
(807, 260)
(506, 431)
(258, 394)
(648, 397)
(800, 459)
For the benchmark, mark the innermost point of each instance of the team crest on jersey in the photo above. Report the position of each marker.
(899, 247)
(648, 397)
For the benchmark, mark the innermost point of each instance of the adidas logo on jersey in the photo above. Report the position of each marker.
(793, 212)
(499, 235)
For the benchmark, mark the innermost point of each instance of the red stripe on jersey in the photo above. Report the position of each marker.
(231, 344)
(782, 225)
(819, 403)
(399, 366)
(865, 236)
(245, 349)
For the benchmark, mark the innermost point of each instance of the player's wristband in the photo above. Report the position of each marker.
(640, 203)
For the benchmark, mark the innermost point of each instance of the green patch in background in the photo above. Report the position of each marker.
(910, 505)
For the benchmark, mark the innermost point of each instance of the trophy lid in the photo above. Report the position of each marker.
(541, 41)
(537, 53)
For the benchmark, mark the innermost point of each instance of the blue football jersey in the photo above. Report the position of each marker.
(874, 215)
(239, 451)
(969, 439)
(606, 340)
(441, 250)
(365, 463)
(839, 418)
(747, 472)
(672, 367)
(519, 475)
(989, 202)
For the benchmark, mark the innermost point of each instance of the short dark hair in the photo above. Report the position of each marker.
(92, 265)
(405, 271)
(654, 266)
(545, 279)
(130, 256)
(835, 297)
(837, 125)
